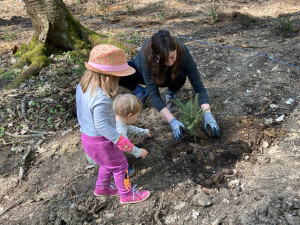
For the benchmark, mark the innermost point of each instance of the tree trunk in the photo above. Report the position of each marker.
(55, 25)
(55, 28)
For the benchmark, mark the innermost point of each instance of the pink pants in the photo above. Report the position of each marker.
(111, 160)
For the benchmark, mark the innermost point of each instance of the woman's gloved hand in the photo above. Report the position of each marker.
(211, 124)
(178, 129)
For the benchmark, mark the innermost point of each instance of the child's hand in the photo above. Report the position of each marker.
(149, 134)
(144, 153)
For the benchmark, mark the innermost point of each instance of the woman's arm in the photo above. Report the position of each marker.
(190, 67)
(165, 112)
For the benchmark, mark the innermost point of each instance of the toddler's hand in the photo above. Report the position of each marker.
(149, 134)
(144, 153)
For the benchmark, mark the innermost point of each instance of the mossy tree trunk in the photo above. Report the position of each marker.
(55, 28)
(54, 24)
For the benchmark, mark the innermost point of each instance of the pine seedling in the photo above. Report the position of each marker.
(191, 114)
(287, 25)
(129, 8)
(213, 14)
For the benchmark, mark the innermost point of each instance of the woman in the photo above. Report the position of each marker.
(164, 61)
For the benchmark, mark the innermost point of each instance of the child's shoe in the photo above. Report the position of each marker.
(142, 94)
(130, 171)
(170, 96)
(135, 196)
(110, 190)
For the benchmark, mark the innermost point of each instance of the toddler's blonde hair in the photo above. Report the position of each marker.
(127, 103)
(91, 79)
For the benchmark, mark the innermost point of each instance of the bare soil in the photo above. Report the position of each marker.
(250, 175)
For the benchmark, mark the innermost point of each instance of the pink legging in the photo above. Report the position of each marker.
(111, 160)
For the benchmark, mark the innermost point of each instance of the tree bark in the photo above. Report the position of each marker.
(54, 24)
(55, 28)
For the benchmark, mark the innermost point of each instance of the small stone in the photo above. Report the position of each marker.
(289, 101)
(247, 157)
(13, 61)
(234, 183)
(273, 106)
(265, 144)
(201, 199)
(280, 118)
(195, 214)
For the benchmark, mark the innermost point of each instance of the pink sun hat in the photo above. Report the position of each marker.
(110, 60)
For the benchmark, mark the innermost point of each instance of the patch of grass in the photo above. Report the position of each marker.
(287, 25)
(213, 14)
(101, 5)
(129, 8)
(2, 131)
(162, 15)
(78, 58)
(11, 74)
(8, 35)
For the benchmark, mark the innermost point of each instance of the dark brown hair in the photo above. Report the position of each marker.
(156, 54)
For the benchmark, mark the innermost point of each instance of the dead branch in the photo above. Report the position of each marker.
(5, 143)
(23, 106)
(35, 131)
(24, 162)
(23, 136)
(158, 210)
(26, 156)
(264, 109)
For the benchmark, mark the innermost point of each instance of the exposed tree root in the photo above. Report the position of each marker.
(156, 215)
(36, 58)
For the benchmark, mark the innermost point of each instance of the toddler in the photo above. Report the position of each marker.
(127, 108)
(99, 137)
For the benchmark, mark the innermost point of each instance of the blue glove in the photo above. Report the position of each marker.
(178, 128)
(210, 123)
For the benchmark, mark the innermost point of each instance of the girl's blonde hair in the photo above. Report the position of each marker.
(92, 80)
(127, 103)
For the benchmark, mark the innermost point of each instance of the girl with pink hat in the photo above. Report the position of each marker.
(96, 118)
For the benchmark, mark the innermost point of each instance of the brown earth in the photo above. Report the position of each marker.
(250, 175)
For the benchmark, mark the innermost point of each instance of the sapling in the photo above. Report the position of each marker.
(287, 25)
(191, 114)
(213, 14)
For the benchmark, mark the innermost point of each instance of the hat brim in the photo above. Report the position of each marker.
(130, 70)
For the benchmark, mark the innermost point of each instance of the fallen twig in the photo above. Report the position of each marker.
(267, 105)
(10, 207)
(23, 106)
(23, 136)
(26, 156)
(24, 162)
(5, 143)
(271, 178)
(35, 131)
(158, 210)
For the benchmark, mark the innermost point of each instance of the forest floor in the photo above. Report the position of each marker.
(251, 69)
